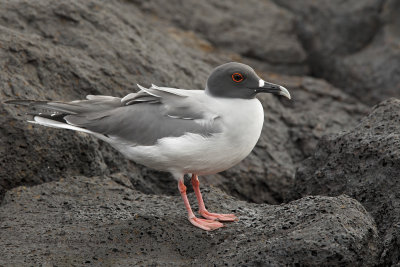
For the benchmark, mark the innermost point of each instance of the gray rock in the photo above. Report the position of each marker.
(333, 27)
(95, 221)
(352, 44)
(363, 163)
(259, 30)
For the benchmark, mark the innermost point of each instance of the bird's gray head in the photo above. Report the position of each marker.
(237, 80)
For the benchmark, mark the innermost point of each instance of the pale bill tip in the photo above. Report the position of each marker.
(284, 92)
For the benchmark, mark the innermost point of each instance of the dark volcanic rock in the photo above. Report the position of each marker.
(335, 28)
(95, 221)
(353, 44)
(258, 30)
(365, 164)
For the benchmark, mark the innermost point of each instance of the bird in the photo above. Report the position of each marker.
(193, 132)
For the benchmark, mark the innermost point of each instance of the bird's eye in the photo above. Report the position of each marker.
(237, 77)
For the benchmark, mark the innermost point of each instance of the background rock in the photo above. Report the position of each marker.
(352, 44)
(96, 221)
(258, 30)
(363, 163)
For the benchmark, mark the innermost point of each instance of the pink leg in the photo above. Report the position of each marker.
(201, 223)
(202, 209)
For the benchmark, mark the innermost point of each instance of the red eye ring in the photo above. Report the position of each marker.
(237, 77)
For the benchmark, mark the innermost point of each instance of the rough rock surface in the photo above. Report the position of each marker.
(258, 30)
(95, 221)
(352, 44)
(363, 163)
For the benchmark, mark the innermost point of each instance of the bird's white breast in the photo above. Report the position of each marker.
(241, 121)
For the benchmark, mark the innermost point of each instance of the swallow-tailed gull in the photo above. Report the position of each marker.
(196, 132)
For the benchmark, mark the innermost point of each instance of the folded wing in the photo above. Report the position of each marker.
(138, 119)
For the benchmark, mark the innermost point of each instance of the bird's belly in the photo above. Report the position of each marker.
(191, 153)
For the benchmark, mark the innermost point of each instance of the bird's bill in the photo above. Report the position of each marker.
(266, 87)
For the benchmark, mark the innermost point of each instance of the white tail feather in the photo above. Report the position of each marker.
(57, 124)
(60, 125)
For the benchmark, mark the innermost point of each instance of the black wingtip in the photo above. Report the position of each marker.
(18, 102)
(24, 102)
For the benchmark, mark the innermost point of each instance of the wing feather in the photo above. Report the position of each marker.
(139, 118)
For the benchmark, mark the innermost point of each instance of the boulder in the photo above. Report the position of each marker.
(96, 221)
(363, 163)
(352, 44)
(257, 30)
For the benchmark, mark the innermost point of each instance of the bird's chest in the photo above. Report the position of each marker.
(242, 128)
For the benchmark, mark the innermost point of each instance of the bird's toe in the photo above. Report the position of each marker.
(205, 224)
(218, 217)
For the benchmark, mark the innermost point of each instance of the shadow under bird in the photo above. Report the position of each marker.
(195, 132)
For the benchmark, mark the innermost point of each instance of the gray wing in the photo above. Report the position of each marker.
(139, 118)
